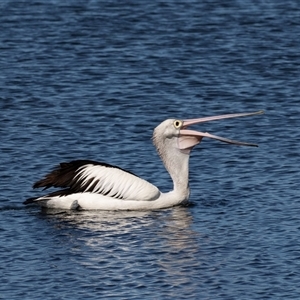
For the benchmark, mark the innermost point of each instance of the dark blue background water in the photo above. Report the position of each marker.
(91, 79)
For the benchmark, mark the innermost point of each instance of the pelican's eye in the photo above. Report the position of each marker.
(177, 124)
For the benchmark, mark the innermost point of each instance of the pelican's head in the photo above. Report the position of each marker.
(176, 133)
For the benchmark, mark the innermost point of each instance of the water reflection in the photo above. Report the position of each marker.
(173, 225)
(145, 246)
(95, 221)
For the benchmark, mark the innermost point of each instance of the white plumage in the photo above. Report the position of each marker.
(94, 185)
(115, 183)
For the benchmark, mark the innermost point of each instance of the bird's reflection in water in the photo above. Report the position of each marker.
(161, 243)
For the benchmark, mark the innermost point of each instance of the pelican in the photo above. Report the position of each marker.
(91, 185)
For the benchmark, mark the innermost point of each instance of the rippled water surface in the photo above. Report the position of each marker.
(90, 80)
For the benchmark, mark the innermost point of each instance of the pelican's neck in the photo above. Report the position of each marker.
(179, 172)
(177, 164)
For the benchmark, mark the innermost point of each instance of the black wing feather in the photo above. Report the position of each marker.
(64, 175)
(87, 176)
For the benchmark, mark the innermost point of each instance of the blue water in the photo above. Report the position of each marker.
(90, 80)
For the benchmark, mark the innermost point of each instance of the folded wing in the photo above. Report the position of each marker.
(86, 176)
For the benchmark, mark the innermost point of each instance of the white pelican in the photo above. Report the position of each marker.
(91, 185)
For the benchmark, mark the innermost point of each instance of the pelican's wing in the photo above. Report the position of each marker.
(86, 176)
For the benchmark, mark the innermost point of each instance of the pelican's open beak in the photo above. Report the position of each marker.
(189, 138)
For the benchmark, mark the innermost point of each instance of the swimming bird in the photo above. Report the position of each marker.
(91, 185)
